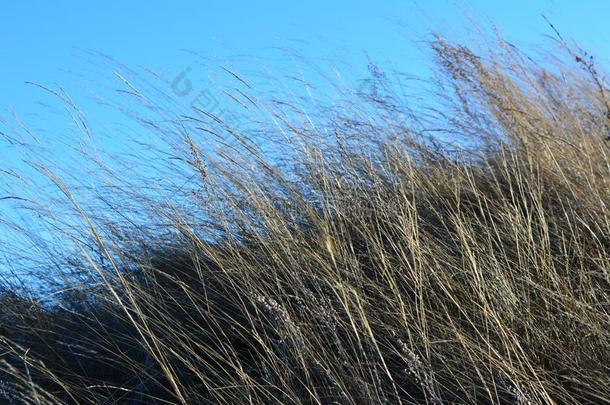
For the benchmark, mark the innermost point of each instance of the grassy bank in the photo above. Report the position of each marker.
(380, 259)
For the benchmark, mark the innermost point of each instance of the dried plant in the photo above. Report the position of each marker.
(338, 255)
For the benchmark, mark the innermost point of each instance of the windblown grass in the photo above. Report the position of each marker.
(362, 262)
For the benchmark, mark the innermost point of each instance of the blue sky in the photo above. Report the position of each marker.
(55, 43)
(43, 41)
(50, 42)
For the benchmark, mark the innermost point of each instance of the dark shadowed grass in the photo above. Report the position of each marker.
(349, 258)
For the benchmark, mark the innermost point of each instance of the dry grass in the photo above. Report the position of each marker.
(372, 264)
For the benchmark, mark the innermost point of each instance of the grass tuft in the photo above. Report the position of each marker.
(354, 260)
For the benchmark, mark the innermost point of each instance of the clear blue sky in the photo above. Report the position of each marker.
(49, 42)
(43, 41)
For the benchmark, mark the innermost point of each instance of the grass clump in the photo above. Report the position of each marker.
(362, 262)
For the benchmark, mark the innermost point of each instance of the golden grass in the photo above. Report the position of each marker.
(372, 265)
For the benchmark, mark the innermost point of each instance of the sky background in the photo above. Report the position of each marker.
(45, 41)
(59, 44)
